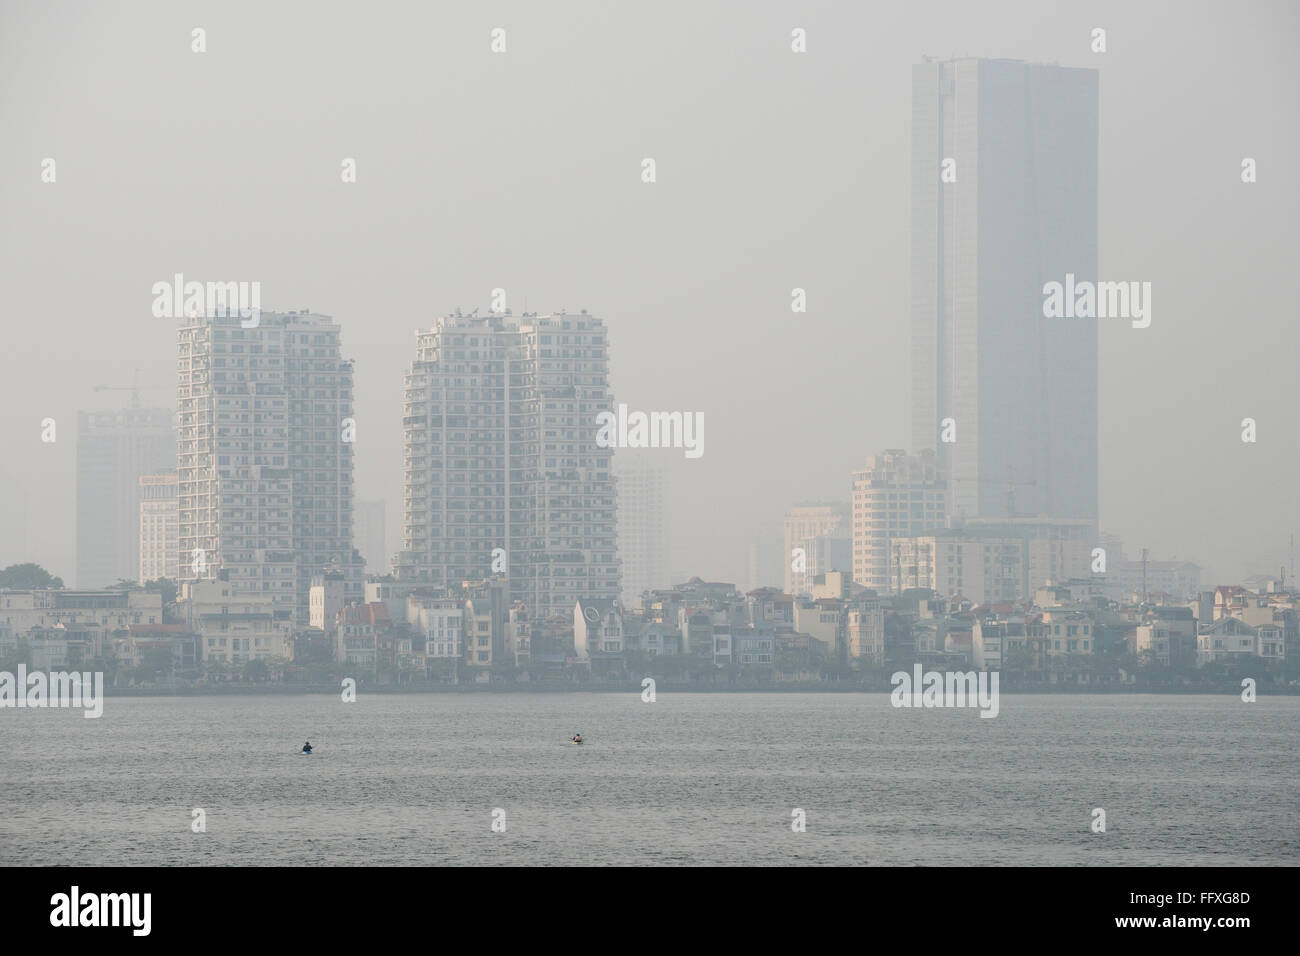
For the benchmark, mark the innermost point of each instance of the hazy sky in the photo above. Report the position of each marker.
(522, 170)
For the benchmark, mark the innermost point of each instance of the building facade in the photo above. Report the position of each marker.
(503, 473)
(896, 495)
(1004, 200)
(265, 456)
(643, 524)
(114, 449)
(371, 536)
(986, 569)
(235, 626)
(818, 539)
(159, 528)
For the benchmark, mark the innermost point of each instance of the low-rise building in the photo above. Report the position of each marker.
(1168, 638)
(438, 622)
(1232, 639)
(24, 609)
(236, 627)
(325, 600)
(1067, 630)
(183, 645)
(597, 627)
(519, 635)
(822, 619)
(655, 640)
(357, 632)
(752, 647)
(993, 641)
(864, 630)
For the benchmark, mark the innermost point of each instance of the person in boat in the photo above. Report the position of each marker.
(577, 738)
(306, 748)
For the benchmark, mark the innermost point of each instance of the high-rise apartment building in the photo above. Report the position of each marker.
(643, 545)
(817, 540)
(897, 495)
(113, 450)
(265, 456)
(503, 472)
(1004, 200)
(159, 528)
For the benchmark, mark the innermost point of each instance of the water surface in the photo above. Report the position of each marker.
(690, 779)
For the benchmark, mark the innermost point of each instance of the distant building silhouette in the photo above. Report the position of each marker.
(371, 536)
(643, 536)
(113, 450)
(1020, 389)
(824, 534)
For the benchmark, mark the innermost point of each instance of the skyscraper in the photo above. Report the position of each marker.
(503, 472)
(265, 456)
(642, 524)
(1004, 200)
(113, 450)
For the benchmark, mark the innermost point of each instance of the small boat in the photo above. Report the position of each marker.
(304, 753)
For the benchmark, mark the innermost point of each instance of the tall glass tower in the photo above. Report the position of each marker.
(1004, 200)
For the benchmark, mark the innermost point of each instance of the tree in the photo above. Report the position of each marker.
(1019, 660)
(167, 589)
(256, 670)
(638, 662)
(108, 663)
(29, 575)
(155, 662)
(164, 586)
(20, 653)
(793, 660)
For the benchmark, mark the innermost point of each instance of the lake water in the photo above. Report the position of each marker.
(689, 779)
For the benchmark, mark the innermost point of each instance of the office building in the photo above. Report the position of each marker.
(1003, 201)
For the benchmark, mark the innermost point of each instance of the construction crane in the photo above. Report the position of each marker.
(134, 389)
